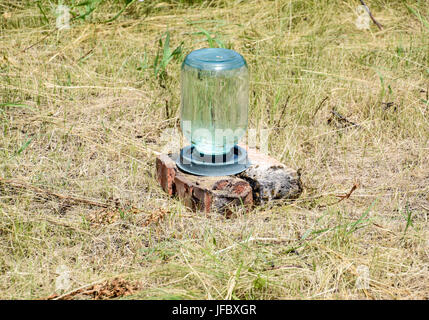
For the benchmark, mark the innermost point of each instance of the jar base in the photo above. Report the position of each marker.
(196, 163)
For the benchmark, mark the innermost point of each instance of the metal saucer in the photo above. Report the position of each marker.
(231, 163)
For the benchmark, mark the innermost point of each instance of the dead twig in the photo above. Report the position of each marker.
(47, 193)
(85, 55)
(347, 195)
(342, 196)
(167, 108)
(283, 111)
(319, 106)
(100, 290)
(39, 41)
(71, 293)
(341, 119)
(387, 105)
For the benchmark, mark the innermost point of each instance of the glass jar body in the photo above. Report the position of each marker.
(214, 107)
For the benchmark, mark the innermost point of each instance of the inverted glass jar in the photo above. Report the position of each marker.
(214, 105)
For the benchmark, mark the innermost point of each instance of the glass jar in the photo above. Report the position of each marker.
(214, 103)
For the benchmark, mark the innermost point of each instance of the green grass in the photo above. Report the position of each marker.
(82, 111)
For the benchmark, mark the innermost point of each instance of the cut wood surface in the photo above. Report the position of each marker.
(264, 180)
(270, 179)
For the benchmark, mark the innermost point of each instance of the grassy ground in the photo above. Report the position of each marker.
(82, 111)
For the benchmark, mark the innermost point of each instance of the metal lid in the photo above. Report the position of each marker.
(214, 59)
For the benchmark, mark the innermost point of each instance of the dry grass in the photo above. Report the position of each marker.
(82, 112)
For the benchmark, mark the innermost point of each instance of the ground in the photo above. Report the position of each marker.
(84, 111)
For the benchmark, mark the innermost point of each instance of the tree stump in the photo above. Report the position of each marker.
(270, 179)
(264, 180)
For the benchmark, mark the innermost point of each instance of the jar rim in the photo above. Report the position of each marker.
(214, 59)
